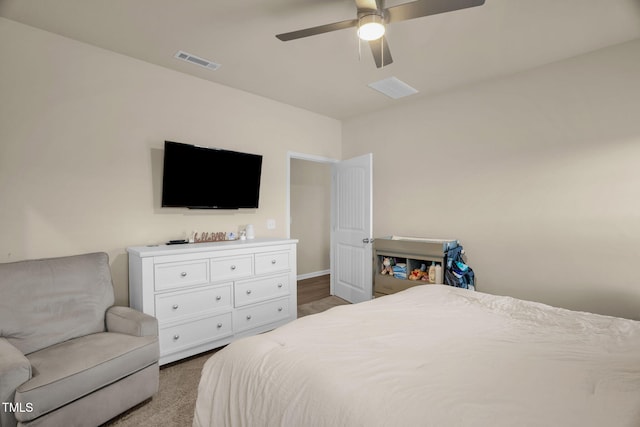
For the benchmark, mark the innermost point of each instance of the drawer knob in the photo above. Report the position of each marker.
(249, 317)
(176, 337)
(248, 291)
(279, 285)
(233, 267)
(279, 308)
(273, 261)
(175, 306)
(183, 274)
(219, 325)
(218, 297)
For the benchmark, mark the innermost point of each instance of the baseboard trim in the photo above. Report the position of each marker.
(313, 274)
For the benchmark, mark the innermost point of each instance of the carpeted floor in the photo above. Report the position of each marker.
(174, 403)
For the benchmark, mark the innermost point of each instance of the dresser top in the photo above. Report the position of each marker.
(155, 250)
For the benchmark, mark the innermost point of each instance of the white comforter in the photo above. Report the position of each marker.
(430, 356)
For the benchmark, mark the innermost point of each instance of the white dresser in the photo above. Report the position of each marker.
(205, 295)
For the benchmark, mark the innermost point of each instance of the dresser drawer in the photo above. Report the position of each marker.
(231, 267)
(272, 261)
(190, 334)
(180, 274)
(255, 290)
(173, 305)
(261, 314)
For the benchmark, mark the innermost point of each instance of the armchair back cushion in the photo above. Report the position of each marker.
(48, 301)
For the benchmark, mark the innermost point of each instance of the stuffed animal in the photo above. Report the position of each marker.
(386, 267)
(416, 274)
(419, 273)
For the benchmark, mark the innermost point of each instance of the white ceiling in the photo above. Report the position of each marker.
(324, 73)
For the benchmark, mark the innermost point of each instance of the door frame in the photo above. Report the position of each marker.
(311, 158)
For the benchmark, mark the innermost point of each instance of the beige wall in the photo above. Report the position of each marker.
(81, 137)
(311, 214)
(537, 174)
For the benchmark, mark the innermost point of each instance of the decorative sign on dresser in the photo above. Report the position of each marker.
(206, 295)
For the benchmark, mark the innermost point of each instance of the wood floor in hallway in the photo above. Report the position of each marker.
(313, 289)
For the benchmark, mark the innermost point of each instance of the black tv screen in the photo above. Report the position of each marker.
(209, 178)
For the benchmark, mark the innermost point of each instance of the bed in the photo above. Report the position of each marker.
(430, 356)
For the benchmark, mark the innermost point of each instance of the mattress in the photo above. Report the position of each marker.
(430, 356)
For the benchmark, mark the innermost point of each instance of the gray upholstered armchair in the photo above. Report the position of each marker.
(68, 357)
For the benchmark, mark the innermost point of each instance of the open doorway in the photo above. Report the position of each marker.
(309, 212)
(350, 184)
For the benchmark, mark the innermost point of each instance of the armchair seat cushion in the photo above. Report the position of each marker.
(72, 369)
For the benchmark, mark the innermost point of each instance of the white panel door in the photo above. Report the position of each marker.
(351, 248)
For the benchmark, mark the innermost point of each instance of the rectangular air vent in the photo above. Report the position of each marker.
(197, 60)
(393, 88)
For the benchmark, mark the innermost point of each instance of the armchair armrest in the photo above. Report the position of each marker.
(131, 322)
(15, 369)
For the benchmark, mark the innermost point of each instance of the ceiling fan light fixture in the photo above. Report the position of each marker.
(370, 27)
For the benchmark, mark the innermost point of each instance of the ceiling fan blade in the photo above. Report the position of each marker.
(317, 30)
(419, 8)
(366, 5)
(381, 52)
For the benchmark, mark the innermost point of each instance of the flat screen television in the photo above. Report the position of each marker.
(209, 178)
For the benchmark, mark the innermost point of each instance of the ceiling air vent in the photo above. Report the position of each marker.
(393, 88)
(197, 60)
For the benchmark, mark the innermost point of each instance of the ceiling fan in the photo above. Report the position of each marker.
(373, 16)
